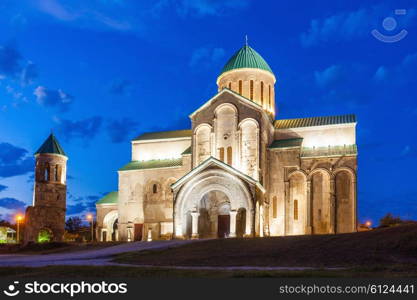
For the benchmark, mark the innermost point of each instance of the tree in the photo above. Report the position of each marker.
(73, 224)
(389, 220)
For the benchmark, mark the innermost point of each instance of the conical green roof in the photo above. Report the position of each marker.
(246, 57)
(51, 146)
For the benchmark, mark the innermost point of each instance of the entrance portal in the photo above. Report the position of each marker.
(223, 228)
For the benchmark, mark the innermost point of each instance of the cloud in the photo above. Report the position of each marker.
(82, 204)
(29, 74)
(53, 98)
(347, 26)
(14, 161)
(83, 129)
(328, 76)
(381, 73)
(9, 61)
(120, 87)
(75, 209)
(201, 8)
(119, 130)
(12, 203)
(206, 56)
(2, 188)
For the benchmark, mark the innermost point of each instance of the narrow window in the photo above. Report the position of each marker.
(251, 89)
(229, 155)
(222, 154)
(56, 173)
(274, 207)
(240, 87)
(155, 189)
(269, 95)
(295, 209)
(230, 85)
(262, 93)
(47, 171)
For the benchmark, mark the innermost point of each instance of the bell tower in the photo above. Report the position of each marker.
(46, 218)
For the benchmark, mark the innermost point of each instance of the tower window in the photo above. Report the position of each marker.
(251, 89)
(229, 155)
(269, 95)
(240, 87)
(230, 85)
(262, 93)
(221, 154)
(155, 189)
(274, 207)
(47, 172)
(295, 209)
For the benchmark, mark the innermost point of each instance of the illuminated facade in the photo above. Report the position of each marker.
(238, 171)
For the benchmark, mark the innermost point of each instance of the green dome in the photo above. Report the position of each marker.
(246, 57)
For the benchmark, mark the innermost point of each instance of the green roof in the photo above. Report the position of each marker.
(315, 121)
(187, 151)
(110, 198)
(246, 57)
(164, 135)
(51, 146)
(152, 164)
(286, 143)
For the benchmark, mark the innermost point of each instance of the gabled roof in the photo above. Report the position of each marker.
(214, 161)
(286, 143)
(314, 121)
(226, 90)
(152, 164)
(246, 57)
(51, 146)
(164, 135)
(110, 198)
(187, 151)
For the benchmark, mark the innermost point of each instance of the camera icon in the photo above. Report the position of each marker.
(390, 24)
(11, 290)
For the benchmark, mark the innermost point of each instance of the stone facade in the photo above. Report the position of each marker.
(238, 172)
(49, 205)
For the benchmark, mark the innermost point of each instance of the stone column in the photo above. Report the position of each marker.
(332, 207)
(194, 231)
(309, 228)
(233, 214)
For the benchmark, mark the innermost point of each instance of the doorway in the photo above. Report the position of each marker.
(223, 228)
(138, 232)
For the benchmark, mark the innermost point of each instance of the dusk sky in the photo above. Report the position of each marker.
(99, 73)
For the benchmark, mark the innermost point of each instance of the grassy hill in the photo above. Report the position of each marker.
(387, 246)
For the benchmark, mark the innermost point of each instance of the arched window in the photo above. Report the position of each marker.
(251, 89)
(229, 155)
(56, 176)
(155, 188)
(295, 209)
(230, 85)
(47, 171)
(240, 87)
(274, 207)
(221, 154)
(269, 95)
(262, 93)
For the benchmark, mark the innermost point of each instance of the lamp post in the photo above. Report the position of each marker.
(18, 219)
(91, 219)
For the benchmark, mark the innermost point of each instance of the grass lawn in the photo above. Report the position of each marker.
(139, 272)
(388, 246)
(50, 248)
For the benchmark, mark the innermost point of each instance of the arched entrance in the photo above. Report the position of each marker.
(45, 235)
(109, 231)
(209, 203)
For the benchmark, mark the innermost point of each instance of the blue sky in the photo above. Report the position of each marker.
(101, 72)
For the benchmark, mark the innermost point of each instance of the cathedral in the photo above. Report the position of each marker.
(239, 171)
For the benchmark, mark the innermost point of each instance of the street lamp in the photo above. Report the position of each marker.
(18, 219)
(368, 224)
(91, 219)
